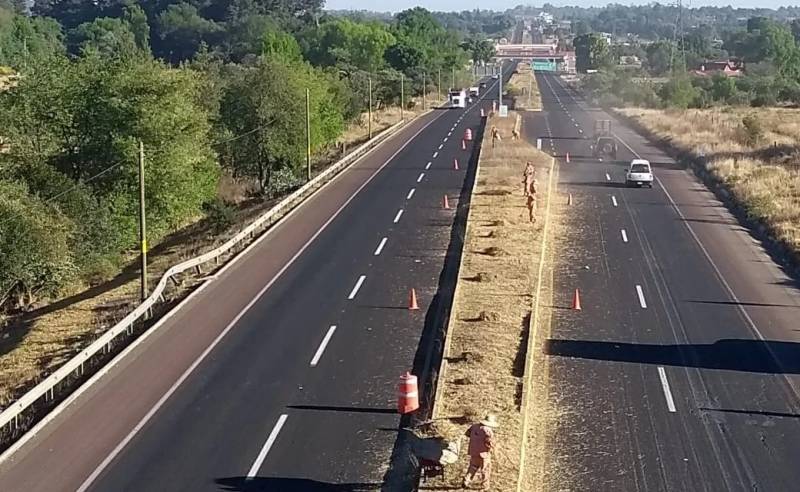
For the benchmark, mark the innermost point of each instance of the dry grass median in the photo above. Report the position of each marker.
(754, 153)
(524, 90)
(490, 322)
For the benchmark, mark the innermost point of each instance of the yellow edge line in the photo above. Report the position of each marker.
(532, 332)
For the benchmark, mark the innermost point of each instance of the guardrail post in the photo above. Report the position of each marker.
(198, 270)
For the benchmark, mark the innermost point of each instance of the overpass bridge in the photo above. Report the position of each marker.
(545, 57)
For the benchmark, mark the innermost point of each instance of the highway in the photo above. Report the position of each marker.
(681, 370)
(280, 374)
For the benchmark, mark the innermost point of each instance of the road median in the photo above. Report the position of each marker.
(486, 346)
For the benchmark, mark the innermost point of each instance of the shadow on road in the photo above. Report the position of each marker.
(735, 355)
(277, 484)
(752, 412)
(324, 408)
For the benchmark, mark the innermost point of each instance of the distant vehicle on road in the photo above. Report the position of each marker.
(495, 77)
(604, 142)
(458, 98)
(482, 84)
(639, 174)
(474, 91)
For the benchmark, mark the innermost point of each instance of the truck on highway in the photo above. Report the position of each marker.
(474, 91)
(604, 142)
(458, 98)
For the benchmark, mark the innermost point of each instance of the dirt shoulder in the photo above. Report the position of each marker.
(36, 343)
(751, 154)
(485, 355)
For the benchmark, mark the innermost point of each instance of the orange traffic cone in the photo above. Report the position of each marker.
(567, 157)
(445, 203)
(576, 300)
(455, 164)
(412, 301)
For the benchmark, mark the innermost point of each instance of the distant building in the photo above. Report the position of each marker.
(729, 68)
(545, 18)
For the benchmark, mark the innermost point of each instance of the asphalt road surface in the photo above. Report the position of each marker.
(681, 371)
(281, 373)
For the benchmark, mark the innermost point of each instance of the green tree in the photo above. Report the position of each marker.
(265, 106)
(137, 21)
(105, 35)
(723, 88)
(678, 92)
(34, 256)
(181, 30)
(345, 43)
(591, 52)
(280, 46)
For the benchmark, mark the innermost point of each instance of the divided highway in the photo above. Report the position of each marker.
(280, 374)
(681, 371)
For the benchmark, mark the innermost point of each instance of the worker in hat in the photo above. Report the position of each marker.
(481, 442)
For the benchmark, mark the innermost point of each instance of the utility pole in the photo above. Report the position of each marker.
(454, 77)
(439, 83)
(423, 91)
(369, 122)
(500, 87)
(402, 98)
(308, 134)
(142, 222)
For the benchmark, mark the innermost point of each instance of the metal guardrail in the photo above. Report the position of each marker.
(47, 388)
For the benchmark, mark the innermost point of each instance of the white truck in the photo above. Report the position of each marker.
(458, 98)
(474, 91)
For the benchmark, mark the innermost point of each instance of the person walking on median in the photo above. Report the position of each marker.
(481, 443)
(529, 177)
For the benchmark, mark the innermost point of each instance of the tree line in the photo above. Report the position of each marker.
(210, 87)
(768, 48)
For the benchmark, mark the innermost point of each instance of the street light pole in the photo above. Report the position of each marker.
(142, 223)
(454, 77)
(439, 83)
(500, 87)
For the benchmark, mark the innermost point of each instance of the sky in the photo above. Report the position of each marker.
(459, 5)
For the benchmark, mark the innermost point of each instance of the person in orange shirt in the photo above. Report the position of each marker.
(481, 443)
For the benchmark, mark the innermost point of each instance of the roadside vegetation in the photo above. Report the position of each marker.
(215, 91)
(754, 153)
(490, 324)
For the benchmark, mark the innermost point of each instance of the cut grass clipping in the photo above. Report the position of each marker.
(489, 326)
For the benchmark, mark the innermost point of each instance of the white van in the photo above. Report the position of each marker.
(458, 98)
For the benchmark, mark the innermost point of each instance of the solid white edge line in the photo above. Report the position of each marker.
(321, 348)
(614, 200)
(267, 445)
(410, 193)
(640, 293)
(662, 374)
(379, 249)
(354, 292)
(136, 343)
(421, 177)
(624, 236)
(397, 217)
